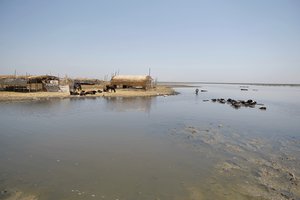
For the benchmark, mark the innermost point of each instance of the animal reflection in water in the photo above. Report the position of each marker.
(123, 104)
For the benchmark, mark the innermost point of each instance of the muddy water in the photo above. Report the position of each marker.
(176, 147)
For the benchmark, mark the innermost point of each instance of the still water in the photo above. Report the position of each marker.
(174, 147)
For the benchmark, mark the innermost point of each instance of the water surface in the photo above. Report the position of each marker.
(174, 147)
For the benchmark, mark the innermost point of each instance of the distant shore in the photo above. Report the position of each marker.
(20, 96)
(188, 84)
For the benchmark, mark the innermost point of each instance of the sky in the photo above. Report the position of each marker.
(179, 40)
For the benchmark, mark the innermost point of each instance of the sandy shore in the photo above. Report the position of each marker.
(19, 96)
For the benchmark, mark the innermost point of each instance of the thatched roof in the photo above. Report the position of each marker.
(12, 77)
(131, 78)
(41, 77)
(44, 77)
(87, 81)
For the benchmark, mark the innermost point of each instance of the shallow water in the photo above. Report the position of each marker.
(175, 147)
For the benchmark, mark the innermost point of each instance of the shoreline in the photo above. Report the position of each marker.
(187, 84)
(7, 96)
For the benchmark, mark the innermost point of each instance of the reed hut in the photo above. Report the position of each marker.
(86, 81)
(46, 83)
(132, 81)
(13, 83)
(29, 83)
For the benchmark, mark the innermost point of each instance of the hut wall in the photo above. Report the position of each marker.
(129, 83)
(51, 87)
(34, 87)
(44, 83)
(13, 84)
(29, 83)
(144, 82)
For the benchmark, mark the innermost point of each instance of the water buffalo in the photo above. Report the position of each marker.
(91, 92)
(110, 88)
(74, 93)
(77, 86)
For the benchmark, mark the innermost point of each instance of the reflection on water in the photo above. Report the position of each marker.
(176, 147)
(123, 104)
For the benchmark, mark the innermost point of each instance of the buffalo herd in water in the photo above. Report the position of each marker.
(239, 103)
(235, 103)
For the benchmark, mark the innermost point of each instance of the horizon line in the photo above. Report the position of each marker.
(231, 83)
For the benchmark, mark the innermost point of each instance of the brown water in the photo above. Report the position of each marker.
(175, 147)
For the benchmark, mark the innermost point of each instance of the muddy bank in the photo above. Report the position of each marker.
(16, 195)
(250, 167)
(18, 96)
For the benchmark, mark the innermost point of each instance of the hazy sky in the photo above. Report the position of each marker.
(213, 40)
